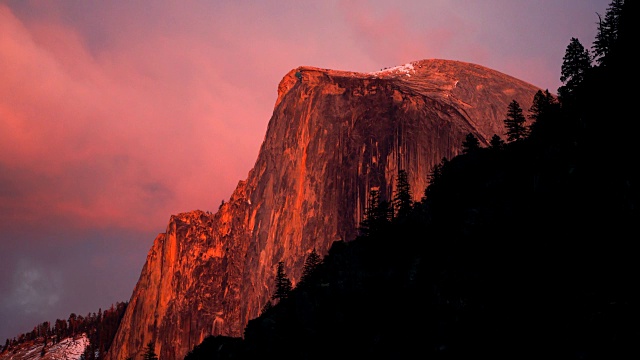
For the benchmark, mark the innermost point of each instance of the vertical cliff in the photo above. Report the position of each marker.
(332, 137)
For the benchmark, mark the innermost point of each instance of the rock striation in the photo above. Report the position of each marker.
(332, 137)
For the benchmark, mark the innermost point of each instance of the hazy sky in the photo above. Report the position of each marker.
(116, 114)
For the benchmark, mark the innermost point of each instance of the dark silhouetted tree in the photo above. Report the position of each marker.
(73, 324)
(608, 29)
(150, 352)
(470, 144)
(375, 214)
(373, 201)
(515, 122)
(542, 102)
(402, 200)
(283, 283)
(576, 62)
(436, 171)
(496, 142)
(541, 110)
(310, 264)
(435, 176)
(384, 214)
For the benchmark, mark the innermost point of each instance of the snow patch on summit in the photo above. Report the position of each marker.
(406, 69)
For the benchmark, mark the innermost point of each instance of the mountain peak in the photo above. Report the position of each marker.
(333, 136)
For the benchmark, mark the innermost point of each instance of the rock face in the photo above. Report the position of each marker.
(333, 136)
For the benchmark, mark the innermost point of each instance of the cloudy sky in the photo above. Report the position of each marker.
(114, 115)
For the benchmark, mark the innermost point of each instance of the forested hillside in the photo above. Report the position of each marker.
(99, 328)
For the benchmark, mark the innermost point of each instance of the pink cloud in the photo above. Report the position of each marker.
(396, 33)
(125, 136)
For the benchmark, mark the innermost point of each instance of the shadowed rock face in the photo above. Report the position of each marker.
(332, 137)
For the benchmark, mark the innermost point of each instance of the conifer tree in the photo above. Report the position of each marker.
(435, 177)
(310, 264)
(470, 144)
(150, 352)
(384, 213)
(540, 110)
(402, 201)
(283, 284)
(576, 62)
(496, 142)
(73, 324)
(370, 213)
(515, 122)
(541, 102)
(436, 171)
(608, 29)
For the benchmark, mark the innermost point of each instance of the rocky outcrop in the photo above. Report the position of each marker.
(333, 136)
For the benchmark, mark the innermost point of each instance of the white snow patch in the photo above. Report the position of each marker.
(406, 69)
(69, 348)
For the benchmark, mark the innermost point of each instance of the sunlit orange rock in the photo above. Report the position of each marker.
(333, 136)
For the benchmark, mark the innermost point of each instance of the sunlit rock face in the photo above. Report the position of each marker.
(332, 137)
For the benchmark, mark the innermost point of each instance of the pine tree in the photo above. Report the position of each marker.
(310, 264)
(496, 142)
(283, 284)
(435, 177)
(369, 221)
(402, 201)
(541, 110)
(576, 62)
(150, 352)
(470, 144)
(542, 101)
(384, 213)
(436, 171)
(73, 324)
(608, 29)
(515, 122)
